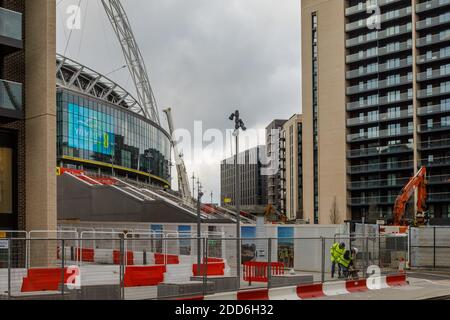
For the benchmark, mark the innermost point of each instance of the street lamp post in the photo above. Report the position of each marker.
(199, 222)
(238, 124)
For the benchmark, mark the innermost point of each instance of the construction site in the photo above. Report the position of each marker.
(121, 231)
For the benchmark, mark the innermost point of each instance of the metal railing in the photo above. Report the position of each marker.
(166, 266)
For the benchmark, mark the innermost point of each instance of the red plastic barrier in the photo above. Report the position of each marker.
(212, 269)
(310, 291)
(257, 271)
(130, 257)
(169, 259)
(212, 260)
(138, 276)
(262, 294)
(87, 254)
(44, 279)
(396, 280)
(356, 285)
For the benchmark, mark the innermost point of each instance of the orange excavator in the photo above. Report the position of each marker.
(419, 183)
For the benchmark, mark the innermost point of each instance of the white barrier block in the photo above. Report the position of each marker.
(335, 288)
(222, 296)
(376, 283)
(289, 293)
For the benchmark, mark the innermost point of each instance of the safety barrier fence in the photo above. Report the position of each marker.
(429, 247)
(140, 265)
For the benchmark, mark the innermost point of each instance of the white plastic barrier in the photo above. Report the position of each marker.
(335, 288)
(289, 293)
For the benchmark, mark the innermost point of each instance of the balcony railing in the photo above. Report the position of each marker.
(434, 127)
(390, 200)
(435, 144)
(439, 197)
(430, 5)
(404, 131)
(434, 92)
(429, 110)
(435, 56)
(406, 45)
(444, 161)
(433, 39)
(10, 24)
(381, 68)
(373, 184)
(383, 84)
(381, 118)
(432, 22)
(362, 6)
(378, 35)
(381, 101)
(384, 18)
(10, 98)
(367, 201)
(377, 151)
(435, 74)
(441, 179)
(385, 166)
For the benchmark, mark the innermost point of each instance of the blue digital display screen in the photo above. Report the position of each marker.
(90, 130)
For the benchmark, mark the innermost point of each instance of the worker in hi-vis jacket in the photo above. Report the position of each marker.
(336, 251)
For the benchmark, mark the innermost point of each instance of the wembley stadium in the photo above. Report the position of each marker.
(101, 128)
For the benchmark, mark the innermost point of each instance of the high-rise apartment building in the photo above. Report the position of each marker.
(27, 115)
(376, 104)
(275, 154)
(291, 168)
(253, 180)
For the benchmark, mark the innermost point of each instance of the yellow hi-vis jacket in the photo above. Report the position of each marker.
(346, 259)
(336, 252)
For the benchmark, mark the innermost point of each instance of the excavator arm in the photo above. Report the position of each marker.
(418, 182)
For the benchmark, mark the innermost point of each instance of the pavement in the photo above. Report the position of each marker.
(423, 285)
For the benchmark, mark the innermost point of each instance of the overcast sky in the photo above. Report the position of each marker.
(204, 58)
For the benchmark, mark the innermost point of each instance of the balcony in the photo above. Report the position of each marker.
(379, 151)
(384, 18)
(435, 144)
(10, 31)
(433, 57)
(375, 184)
(434, 92)
(364, 71)
(11, 99)
(432, 39)
(383, 84)
(385, 100)
(433, 22)
(430, 5)
(367, 201)
(362, 6)
(382, 51)
(439, 197)
(435, 162)
(378, 35)
(355, 137)
(436, 180)
(436, 109)
(358, 121)
(426, 128)
(434, 74)
(379, 167)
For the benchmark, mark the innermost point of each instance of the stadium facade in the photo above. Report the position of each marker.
(101, 129)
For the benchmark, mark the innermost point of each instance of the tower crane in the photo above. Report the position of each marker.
(135, 62)
(183, 180)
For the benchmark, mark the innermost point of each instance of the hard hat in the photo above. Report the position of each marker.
(342, 244)
(355, 250)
